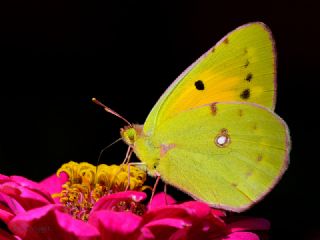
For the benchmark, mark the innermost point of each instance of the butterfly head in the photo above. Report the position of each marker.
(130, 133)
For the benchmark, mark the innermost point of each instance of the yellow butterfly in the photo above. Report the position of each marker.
(213, 133)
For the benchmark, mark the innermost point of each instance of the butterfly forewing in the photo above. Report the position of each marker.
(241, 67)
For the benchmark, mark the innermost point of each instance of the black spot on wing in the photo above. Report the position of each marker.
(245, 94)
(199, 85)
(249, 77)
(246, 63)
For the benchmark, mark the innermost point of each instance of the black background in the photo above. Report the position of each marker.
(57, 55)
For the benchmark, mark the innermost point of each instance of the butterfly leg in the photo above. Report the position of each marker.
(165, 193)
(124, 162)
(155, 186)
(132, 164)
(128, 155)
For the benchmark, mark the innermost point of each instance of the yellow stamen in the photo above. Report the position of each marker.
(88, 183)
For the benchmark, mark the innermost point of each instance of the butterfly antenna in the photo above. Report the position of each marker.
(109, 110)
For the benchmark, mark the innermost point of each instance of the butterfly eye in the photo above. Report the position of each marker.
(223, 138)
(129, 134)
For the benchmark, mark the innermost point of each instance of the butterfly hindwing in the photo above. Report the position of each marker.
(241, 67)
(226, 154)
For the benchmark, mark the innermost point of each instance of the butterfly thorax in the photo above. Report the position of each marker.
(143, 146)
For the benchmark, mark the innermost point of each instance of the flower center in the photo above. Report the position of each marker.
(88, 183)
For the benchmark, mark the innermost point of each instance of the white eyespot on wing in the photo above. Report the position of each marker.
(222, 139)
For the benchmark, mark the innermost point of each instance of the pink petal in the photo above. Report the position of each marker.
(187, 211)
(181, 234)
(29, 194)
(24, 182)
(207, 227)
(196, 208)
(218, 213)
(53, 184)
(7, 236)
(171, 211)
(241, 236)
(5, 215)
(11, 205)
(190, 220)
(115, 225)
(33, 186)
(165, 228)
(160, 200)
(4, 178)
(26, 197)
(246, 223)
(163, 222)
(49, 222)
(107, 202)
(167, 222)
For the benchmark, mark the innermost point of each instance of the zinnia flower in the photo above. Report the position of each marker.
(86, 202)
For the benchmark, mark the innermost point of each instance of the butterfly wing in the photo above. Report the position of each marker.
(241, 67)
(226, 154)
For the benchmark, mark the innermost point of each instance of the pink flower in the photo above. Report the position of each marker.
(189, 220)
(17, 196)
(28, 211)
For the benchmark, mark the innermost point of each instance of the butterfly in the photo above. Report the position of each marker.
(213, 133)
